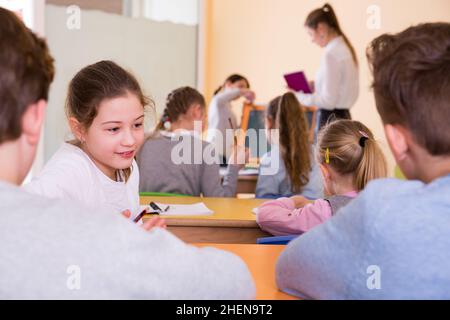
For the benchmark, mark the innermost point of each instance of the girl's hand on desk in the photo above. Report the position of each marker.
(151, 223)
(154, 222)
(300, 201)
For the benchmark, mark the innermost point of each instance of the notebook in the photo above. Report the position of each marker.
(297, 82)
(195, 209)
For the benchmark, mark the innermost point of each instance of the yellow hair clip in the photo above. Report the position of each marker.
(327, 156)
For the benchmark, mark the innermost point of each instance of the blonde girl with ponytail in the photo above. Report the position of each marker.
(349, 158)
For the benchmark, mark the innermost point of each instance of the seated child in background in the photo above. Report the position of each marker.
(172, 158)
(349, 158)
(105, 108)
(220, 114)
(289, 168)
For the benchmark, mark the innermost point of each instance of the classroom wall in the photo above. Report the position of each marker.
(161, 55)
(263, 39)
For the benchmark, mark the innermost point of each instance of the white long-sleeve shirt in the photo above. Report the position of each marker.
(337, 80)
(70, 174)
(218, 114)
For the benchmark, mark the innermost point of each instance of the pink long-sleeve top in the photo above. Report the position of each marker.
(280, 217)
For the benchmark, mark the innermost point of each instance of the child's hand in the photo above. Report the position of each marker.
(154, 222)
(248, 95)
(151, 223)
(126, 214)
(239, 156)
(312, 86)
(300, 201)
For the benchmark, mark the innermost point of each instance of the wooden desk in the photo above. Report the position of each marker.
(246, 182)
(261, 261)
(232, 221)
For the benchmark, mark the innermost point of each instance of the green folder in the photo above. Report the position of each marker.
(161, 194)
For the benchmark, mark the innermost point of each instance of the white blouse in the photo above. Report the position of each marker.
(219, 112)
(71, 174)
(337, 80)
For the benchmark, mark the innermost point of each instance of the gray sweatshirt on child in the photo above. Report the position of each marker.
(178, 165)
(58, 250)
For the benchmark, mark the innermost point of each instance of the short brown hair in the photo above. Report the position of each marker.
(411, 72)
(26, 72)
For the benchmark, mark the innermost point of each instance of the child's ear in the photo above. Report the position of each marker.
(197, 112)
(77, 129)
(33, 120)
(396, 137)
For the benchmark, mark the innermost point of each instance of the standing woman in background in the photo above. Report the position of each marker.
(220, 114)
(336, 86)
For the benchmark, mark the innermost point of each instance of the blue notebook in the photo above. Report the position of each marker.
(279, 240)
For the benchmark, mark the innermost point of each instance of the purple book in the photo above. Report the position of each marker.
(297, 82)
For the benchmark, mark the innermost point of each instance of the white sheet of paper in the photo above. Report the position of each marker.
(196, 209)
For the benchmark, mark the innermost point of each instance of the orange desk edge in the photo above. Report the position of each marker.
(261, 261)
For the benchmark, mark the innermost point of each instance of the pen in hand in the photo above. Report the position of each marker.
(144, 212)
(139, 216)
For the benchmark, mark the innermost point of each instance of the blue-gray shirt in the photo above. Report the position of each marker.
(392, 242)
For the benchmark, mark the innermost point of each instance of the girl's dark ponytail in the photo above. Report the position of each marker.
(326, 15)
(218, 90)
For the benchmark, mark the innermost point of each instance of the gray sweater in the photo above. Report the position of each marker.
(161, 171)
(277, 184)
(57, 250)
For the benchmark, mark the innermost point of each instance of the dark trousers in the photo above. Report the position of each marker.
(328, 116)
(224, 162)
